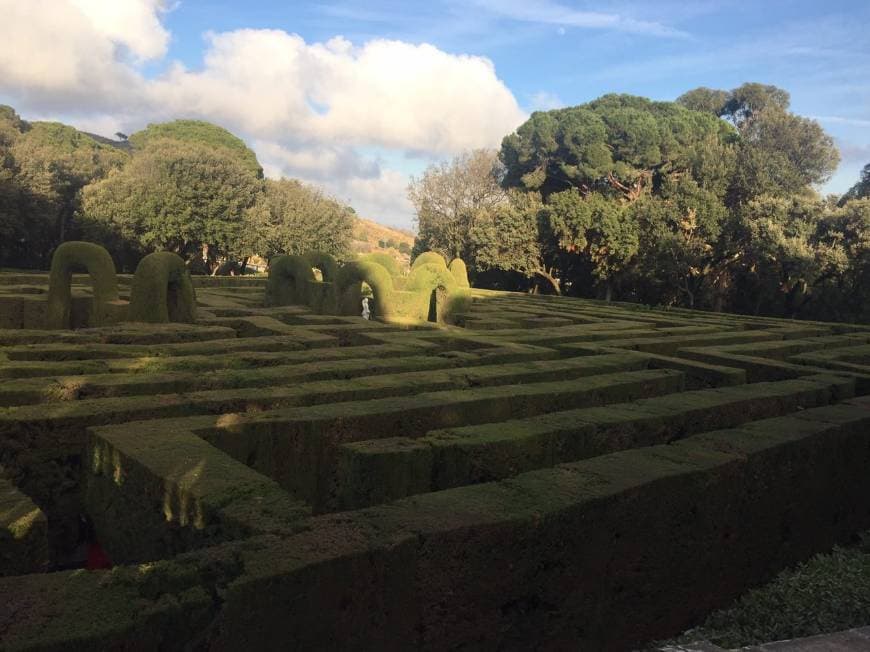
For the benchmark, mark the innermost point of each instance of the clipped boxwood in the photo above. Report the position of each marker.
(348, 288)
(445, 296)
(325, 262)
(162, 291)
(288, 280)
(429, 257)
(460, 272)
(429, 276)
(100, 267)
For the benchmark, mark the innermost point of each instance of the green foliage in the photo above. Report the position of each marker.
(601, 230)
(75, 256)
(429, 258)
(449, 196)
(325, 262)
(293, 218)
(43, 167)
(428, 276)
(829, 593)
(288, 280)
(460, 272)
(511, 237)
(781, 154)
(652, 200)
(843, 237)
(705, 100)
(202, 133)
(348, 288)
(162, 291)
(861, 189)
(183, 197)
(678, 253)
(616, 144)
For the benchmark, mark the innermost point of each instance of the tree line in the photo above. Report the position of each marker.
(707, 202)
(186, 186)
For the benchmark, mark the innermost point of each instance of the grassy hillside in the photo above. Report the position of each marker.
(369, 236)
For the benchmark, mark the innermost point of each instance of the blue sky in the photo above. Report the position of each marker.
(412, 83)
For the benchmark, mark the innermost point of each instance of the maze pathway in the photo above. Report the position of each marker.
(553, 473)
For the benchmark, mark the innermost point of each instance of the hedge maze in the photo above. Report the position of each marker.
(545, 473)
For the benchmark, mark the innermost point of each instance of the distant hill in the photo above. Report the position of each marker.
(369, 236)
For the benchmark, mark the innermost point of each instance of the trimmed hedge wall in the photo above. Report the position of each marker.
(162, 291)
(429, 257)
(288, 281)
(431, 292)
(100, 267)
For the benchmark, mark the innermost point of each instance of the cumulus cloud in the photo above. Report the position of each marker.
(372, 189)
(388, 93)
(308, 109)
(134, 24)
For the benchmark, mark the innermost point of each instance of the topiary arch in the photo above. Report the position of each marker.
(69, 257)
(325, 262)
(162, 290)
(288, 281)
(439, 284)
(348, 286)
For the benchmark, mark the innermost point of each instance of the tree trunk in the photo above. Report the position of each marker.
(608, 291)
(554, 283)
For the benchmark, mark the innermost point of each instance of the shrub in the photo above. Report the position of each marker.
(69, 257)
(288, 281)
(162, 290)
(429, 257)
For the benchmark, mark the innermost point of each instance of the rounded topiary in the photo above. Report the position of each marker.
(162, 290)
(384, 260)
(429, 276)
(348, 288)
(460, 272)
(68, 257)
(325, 263)
(288, 281)
(429, 258)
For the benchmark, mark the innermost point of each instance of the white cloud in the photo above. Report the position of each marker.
(53, 54)
(549, 12)
(388, 93)
(132, 23)
(309, 109)
(373, 190)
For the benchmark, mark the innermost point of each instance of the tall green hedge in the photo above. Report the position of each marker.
(325, 262)
(162, 290)
(72, 256)
(348, 286)
(429, 257)
(288, 281)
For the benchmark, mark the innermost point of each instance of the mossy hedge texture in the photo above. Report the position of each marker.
(74, 256)
(554, 474)
(162, 291)
(430, 293)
